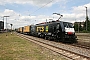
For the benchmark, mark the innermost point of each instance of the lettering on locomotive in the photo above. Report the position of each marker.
(46, 28)
(40, 29)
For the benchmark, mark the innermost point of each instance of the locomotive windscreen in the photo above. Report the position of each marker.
(68, 25)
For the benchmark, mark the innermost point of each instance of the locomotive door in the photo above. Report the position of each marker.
(58, 31)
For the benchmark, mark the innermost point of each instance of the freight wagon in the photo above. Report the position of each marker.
(26, 29)
(20, 30)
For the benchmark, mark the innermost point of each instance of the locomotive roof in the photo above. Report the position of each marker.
(48, 22)
(51, 22)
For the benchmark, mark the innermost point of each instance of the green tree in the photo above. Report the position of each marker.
(80, 27)
(76, 27)
(88, 24)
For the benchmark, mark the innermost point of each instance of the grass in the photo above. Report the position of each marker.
(14, 48)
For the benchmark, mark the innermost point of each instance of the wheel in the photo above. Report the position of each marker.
(46, 38)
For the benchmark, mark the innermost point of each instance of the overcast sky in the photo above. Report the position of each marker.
(27, 12)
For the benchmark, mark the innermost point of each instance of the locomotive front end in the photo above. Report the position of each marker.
(69, 32)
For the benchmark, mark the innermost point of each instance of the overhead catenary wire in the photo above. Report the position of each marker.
(41, 7)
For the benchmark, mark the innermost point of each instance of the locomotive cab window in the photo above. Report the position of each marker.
(58, 26)
(68, 25)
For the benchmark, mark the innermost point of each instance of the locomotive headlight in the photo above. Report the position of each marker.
(66, 33)
(52, 34)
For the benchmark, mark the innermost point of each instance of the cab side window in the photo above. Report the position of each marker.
(58, 27)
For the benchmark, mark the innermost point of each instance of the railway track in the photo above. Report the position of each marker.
(54, 47)
(81, 46)
(83, 40)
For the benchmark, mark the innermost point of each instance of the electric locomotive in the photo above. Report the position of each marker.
(55, 30)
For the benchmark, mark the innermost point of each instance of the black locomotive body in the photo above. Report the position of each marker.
(55, 30)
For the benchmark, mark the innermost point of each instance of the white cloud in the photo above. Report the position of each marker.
(31, 2)
(78, 13)
(18, 20)
(12, 19)
(81, 9)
